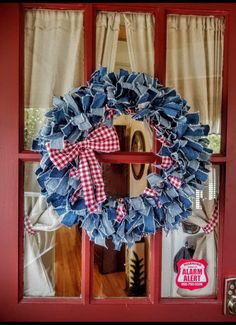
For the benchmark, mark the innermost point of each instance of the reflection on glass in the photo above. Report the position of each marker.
(133, 135)
(194, 66)
(46, 49)
(123, 177)
(122, 273)
(52, 252)
(191, 241)
(138, 145)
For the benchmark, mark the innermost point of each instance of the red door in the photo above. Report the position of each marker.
(87, 304)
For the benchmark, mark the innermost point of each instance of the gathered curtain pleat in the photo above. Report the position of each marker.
(107, 33)
(140, 39)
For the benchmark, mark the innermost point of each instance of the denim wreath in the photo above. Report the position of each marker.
(184, 152)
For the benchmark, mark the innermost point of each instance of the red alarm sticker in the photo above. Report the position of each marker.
(192, 274)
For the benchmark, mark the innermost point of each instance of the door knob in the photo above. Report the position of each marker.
(230, 297)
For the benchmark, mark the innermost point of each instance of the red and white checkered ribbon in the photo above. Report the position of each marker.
(110, 112)
(152, 193)
(103, 139)
(212, 221)
(29, 226)
(120, 210)
(175, 181)
(164, 141)
(161, 138)
(166, 162)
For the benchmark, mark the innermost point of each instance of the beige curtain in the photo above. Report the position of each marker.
(140, 39)
(107, 32)
(195, 63)
(53, 55)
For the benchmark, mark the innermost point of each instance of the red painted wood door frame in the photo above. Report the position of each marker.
(12, 306)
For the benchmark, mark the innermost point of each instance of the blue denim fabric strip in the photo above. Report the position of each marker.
(69, 219)
(172, 193)
(186, 202)
(149, 224)
(100, 240)
(57, 143)
(71, 104)
(107, 224)
(68, 129)
(59, 104)
(155, 180)
(137, 203)
(121, 230)
(131, 215)
(81, 121)
(74, 135)
(174, 209)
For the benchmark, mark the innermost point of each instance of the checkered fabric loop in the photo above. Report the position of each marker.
(163, 140)
(103, 139)
(212, 221)
(159, 137)
(29, 226)
(152, 193)
(120, 210)
(110, 112)
(77, 192)
(166, 162)
(175, 181)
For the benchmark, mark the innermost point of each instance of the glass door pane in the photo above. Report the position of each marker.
(52, 252)
(125, 40)
(194, 66)
(123, 273)
(196, 238)
(53, 62)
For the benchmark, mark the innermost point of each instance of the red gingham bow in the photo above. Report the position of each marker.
(103, 139)
(120, 211)
(212, 221)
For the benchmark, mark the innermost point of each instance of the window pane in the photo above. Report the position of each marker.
(125, 40)
(190, 241)
(122, 273)
(52, 252)
(194, 66)
(53, 62)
